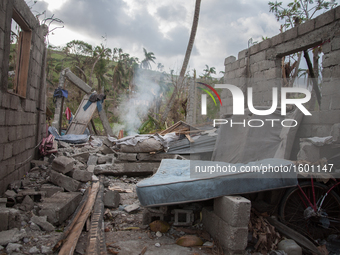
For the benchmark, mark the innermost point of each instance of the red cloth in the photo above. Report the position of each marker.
(68, 113)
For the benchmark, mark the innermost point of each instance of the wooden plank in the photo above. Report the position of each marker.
(72, 239)
(105, 122)
(189, 138)
(81, 118)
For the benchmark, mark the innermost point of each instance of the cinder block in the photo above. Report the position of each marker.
(306, 27)
(290, 34)
(82, 175)
(254, 49)
(257, 57)
(8, 151)
(265, 44)
(234, 210)
(325, 18)
(337, 12)
(15, 101)
(60, 206)
(111, 199)
(92, 160)
(331, 59)
(335, 43)
(233, 239)
(277, 39)
(64, 181)
(51, 189)
(242, 54)
(63, 164)
(229, 60)
(2, 116)
(4, 134)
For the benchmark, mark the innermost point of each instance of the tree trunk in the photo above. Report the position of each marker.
(186, 59)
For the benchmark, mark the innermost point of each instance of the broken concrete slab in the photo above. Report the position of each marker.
(129, 169)
(82, 157)
(82, 175)
(63, 164)
(42, 222)
(92, 161)
(62, 144)
(90, 169)
(64, 181)
(154, 157)
(106, 150)
(35, 195)
(104, 159)
(51, 189)
(131, 208)
(60, 206)
(11, 236)
(111, 199)
(127, 157)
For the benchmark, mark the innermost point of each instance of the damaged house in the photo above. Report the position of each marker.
(94, 197)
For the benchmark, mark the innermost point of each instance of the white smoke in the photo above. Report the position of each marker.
(132, 110)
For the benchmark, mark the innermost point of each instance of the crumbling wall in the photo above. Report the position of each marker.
(259, 67)
(22, 114)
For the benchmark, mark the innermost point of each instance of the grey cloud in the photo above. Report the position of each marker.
(172, 13)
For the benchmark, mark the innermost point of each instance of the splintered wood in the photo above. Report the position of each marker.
(265, 234)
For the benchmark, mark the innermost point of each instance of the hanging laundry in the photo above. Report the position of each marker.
(99, 98)
(59, 92)
(68, 113)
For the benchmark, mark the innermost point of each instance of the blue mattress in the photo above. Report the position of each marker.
(177, 182)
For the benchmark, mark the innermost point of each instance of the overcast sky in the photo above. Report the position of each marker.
(163, 27)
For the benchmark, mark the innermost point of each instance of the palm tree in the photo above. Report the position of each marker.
(186, 59)
(149, 57)
(209, 70)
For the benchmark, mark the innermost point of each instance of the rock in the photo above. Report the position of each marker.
(45, 249)
(111, 199)
(1, 248)
(157, 244)
(13, 247)
(34, 250)
(63, 164)
(82, 175)
(11, 236)
(131, 208)
(26, 240)
(158, 234)
(9, 218)
(41, 221)
(27, 204)
(95, 178)
(92, 160)
(63, 145)
(34, 226)
(10, 193)
(90, 169)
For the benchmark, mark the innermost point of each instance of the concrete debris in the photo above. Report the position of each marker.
(10, 193)
(82, 175)
(34, 226)
(9, 218)
(63, 164)
(131, 208)
(41, 221)
(13, 247)
(27, 204)
(51, 189)
(60, 206)
(64, 181)
(92, 161)
(46, 249)
(34, 250)
(15, 185)
(111, 199)
(11, 236)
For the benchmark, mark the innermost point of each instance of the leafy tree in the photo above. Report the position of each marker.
(299, 11)
(208, 71)
(149, 57)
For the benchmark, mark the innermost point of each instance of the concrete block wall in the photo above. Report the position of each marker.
(22, 120)
(227, 222)
(259, 67)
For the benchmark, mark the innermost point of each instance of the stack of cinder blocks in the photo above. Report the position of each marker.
(228, 222)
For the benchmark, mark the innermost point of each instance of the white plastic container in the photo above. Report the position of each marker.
(290, 247)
